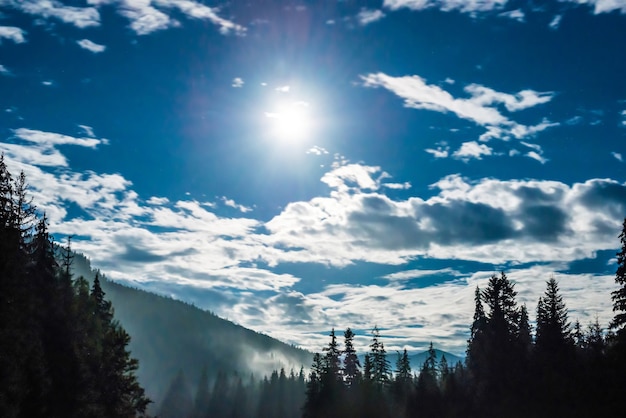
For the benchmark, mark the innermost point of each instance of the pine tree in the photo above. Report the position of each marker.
(351, 364)
(553, 329)
(619, 296)
(381, 369)
(332, 359)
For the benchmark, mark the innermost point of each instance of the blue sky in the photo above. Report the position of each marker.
(297, 166)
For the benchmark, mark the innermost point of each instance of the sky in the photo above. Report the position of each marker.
(296, 166)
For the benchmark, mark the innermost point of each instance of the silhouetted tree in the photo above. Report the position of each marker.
(351, 364)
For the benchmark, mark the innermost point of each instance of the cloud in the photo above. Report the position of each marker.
(439, 152)
(47, 83)
(537, 156)
(88, 130)
(555, 22)
(417, 274)
(317, 150)
(12, 33)
(91, 46)
(366, 16)
(147, 16)
(4, 70)
(43, 151)
(471, 150)
(623, 115)
(489, 221)
(618, 156)
(282, 89)
(157, 200)
(603, 6)
(516, 14)
(51, 139)
(481, 107)
(397, 186)
(231, 203)
(187, 245)
(237, 82)
(81, 17)
(469, 6)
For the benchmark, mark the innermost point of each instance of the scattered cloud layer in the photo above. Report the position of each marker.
(146, 16)
(191, 246)
(603, 6)
(483, 107)
(469, 6)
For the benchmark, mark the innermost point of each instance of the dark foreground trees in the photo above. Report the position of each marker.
(560, 370)
(62, 354)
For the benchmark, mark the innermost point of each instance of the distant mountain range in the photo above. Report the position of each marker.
(417, 360)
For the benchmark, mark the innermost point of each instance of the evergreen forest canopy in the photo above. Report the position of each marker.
(62, 353)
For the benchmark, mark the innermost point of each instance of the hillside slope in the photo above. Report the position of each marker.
(168, 336)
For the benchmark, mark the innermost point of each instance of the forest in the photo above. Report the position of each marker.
(64, 354)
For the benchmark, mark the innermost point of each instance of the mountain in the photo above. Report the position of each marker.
(418, 359)
(170, 336)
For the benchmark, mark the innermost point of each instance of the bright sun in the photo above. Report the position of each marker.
(291, 122)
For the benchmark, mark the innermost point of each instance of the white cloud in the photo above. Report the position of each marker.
(516, 14)
(623, 115)
(12, 33)
(91, 46)
(47, 82)
(282, 89)
(146, 16)
(352, 176)
(367, 16)
(471, 150)
(317, 150)
(537, 156)
(397, 186)
(555, 22)
(618, 156)
(4, 70)
(187, 244)
(158, 201)
(237, 82)
(231, 203)
(51, 139)
(439, 152)
(480, 108)
(467, 6)
(417, 274)
(88, 130)
(81, 17)
(603, 6)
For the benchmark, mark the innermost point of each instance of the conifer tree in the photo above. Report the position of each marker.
(553, 329)
(351, 364)
(619, 296)
(332, 359)
(381, 369)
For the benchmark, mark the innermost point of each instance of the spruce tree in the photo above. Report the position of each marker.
(553, 329)
(619, 296)
(351, 364)
(381, 369)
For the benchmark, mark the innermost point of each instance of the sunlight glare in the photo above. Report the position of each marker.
(291, 122)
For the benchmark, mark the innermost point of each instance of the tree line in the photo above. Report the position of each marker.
(512, 369)
(62, 353)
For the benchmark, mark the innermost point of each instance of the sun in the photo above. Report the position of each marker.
(291, 121)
